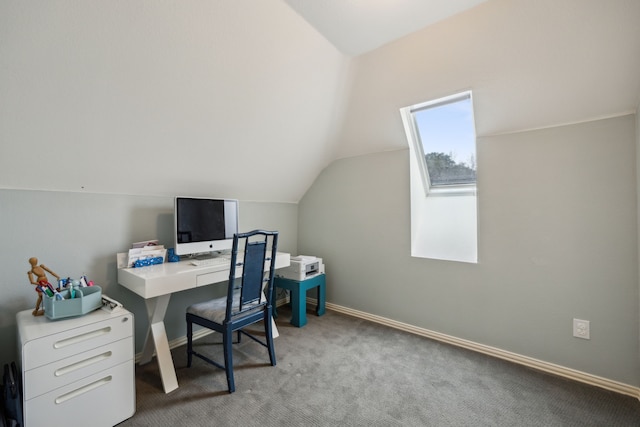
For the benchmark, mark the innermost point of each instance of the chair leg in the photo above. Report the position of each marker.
(189, 342)
(268, 329)
(228, 359)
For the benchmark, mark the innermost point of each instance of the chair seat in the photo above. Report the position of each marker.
(215, 310)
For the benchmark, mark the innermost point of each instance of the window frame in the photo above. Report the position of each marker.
(410, 120)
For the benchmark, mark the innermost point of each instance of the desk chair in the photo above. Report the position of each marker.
(245, 303)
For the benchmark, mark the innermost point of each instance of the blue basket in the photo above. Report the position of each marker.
(86, 300)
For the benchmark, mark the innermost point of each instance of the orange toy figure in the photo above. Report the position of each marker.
(40, 279)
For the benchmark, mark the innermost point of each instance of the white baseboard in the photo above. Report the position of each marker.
(530, 362)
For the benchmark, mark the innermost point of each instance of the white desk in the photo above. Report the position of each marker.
(155, 284)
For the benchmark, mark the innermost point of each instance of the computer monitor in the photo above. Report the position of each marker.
(203, 226)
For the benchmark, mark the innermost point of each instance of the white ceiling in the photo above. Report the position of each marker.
(359, 26)
(253, 99)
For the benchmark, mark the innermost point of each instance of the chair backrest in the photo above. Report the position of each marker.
(255, 252)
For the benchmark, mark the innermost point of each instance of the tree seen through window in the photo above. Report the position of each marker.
(445, 130)
(444, 170)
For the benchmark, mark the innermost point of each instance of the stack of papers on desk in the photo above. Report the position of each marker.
(140, 251)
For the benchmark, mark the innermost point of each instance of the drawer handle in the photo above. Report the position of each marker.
(83, 363)
(79, 338)
(82, 390)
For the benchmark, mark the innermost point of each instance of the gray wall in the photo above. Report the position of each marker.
(557, 241)
(78, 233)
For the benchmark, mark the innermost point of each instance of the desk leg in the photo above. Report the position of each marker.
(321, 297)
(298, 306)
(157, 337)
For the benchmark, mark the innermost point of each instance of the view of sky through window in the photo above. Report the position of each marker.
(447, 133)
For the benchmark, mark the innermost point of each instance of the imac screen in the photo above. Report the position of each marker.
(204, 225)
(199, 220)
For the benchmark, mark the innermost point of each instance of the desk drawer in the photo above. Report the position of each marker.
(64, 344)
(213, 277)
(103, 399)
(61, 372)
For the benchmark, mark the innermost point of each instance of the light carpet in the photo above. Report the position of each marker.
(343, 371)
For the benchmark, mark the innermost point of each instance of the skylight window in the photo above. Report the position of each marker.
(444, 137)
(442, 162)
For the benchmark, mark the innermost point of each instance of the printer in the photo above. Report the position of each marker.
(302, 267)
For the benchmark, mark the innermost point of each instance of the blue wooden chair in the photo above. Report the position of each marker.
(245, 303)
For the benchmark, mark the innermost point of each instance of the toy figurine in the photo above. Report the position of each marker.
(41, 281)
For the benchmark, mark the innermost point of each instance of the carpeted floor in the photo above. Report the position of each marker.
(343, 371)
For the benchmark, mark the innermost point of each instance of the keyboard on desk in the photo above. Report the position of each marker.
(211, 262)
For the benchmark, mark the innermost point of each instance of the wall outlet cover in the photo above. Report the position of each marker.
(581, 329)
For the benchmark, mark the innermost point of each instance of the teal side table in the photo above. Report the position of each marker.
(298, 289)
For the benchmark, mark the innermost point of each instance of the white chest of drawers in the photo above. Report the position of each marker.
(77, 371)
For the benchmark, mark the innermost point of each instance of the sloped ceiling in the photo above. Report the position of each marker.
(359, 26)
(216, 98)
(530, 64)
(253, 99)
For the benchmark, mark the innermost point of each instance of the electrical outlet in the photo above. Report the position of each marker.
(581, 329)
